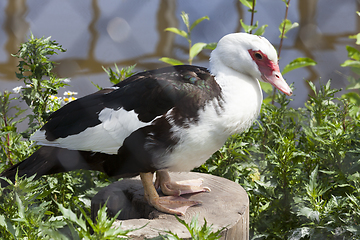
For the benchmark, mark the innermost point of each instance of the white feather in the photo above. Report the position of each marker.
(106, 137)
(242, 102)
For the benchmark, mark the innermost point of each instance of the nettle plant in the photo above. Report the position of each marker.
(195, 49)
(35, 70)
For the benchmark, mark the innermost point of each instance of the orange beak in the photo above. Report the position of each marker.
(276, 79)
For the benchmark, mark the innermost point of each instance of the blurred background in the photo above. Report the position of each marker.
(100, 33)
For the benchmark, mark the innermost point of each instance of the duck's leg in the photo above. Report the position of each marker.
(180, 187)
(169, 204)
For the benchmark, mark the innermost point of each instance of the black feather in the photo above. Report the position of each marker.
(185, 89)
(151, 94)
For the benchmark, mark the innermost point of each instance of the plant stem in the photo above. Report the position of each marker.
(281, 43)
(252, 15)
(190, 59)
(283, 30)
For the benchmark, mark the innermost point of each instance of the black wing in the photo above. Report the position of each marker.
(185, 89)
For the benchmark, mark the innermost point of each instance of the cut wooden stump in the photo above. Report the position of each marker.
(227, 205)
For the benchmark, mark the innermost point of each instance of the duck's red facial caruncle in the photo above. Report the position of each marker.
(270, 71)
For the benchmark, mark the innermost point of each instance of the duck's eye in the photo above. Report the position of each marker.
(258, 56)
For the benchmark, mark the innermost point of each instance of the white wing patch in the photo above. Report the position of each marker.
(106, 137)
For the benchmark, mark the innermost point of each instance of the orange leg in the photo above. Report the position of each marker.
(169, 204)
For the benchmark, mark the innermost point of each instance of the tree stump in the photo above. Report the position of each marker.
(227, 205)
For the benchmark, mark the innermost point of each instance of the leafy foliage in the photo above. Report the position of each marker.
(54, 207)
(12, 148)
(35, 69)
(354, 63)
(88, 229)
(249, 28)
(298, 63)
(195, 49)
(197, 232)
(41, 86)
(119, 74)
(286, 26)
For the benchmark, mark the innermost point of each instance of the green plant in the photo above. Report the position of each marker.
(88, 229)
(195, 49)
(118, 75)
(12, 146)
(39, 93)
(35, 70)
(249, 28)
(354, 63)
(197, 232)
(26, 218)
(43, 207)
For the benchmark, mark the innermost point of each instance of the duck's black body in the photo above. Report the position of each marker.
(151, 94)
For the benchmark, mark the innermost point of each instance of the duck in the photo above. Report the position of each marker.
(167, 119)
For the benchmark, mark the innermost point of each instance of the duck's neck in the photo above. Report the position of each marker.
(242, 97)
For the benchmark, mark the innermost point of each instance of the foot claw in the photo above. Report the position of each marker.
(173, 204)
(180, 187)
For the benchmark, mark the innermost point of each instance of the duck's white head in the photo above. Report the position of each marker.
(250, 55)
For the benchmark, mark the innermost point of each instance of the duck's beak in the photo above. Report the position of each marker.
(276, 79)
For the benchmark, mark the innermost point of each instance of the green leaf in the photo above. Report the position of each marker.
(261, 30)
(357, 37)
(197, 21)
(196, 49)
(248, 3)
(7, 225)
(298, 63)
(288, 26)
(352, 97)
(171, 61)
(354, 83)
(351, 63)
(286, 2)
(312, 86)
(248, 28)
(21, 208)
(211, 46)
(96, 85)
(177, 31)
(353, 53)
(356, 70)
(70, 215)
(185, 18)
(266, 87)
